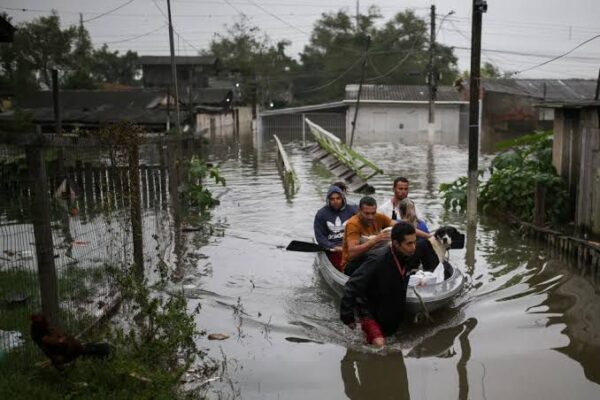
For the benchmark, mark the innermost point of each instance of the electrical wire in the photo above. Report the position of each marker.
(336, 79)
(137, 36)
(178, 35)
(557, 57)
(108, 12)
(395, 67)
(277, 17)
(230, 4)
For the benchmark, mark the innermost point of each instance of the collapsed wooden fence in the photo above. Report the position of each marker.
(341, 160)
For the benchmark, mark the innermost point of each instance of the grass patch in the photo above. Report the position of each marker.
(126, 374)
(153, 345)
(74, 284)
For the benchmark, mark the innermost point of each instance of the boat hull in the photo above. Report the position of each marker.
(430, 297)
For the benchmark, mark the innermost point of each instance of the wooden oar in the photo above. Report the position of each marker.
(307, 247)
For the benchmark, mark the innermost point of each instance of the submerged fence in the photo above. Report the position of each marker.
(71, 215)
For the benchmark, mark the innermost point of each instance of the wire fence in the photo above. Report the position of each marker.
(68, 222)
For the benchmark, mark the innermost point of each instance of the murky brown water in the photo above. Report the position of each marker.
(527, 326)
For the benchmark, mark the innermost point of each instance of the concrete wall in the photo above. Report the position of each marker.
(507, 116)
(223, 125)
(404, 123)
(288, 127)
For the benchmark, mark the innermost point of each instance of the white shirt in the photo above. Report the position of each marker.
(387, 208)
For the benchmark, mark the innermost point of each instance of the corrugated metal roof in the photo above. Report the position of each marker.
(569, 104)
(305, 109)
(210, 96)
(400, 93)
(97, 106)
(94, 99)
(179, 60)
(555, 89)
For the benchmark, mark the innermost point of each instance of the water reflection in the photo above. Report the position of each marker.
(374, 376)
(574, 302)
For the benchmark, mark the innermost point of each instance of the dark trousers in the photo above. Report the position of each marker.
(353, 265)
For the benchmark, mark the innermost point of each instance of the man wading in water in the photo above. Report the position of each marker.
(376, 292)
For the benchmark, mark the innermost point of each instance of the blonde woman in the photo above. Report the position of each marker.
(409, 214)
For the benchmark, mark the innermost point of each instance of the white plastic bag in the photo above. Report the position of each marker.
(423, 278)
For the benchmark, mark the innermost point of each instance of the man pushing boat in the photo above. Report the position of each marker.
(376, 291)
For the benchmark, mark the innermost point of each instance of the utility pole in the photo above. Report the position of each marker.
(56, 102)
(432, 81)
(597, 86)
(479, 7)
(362, 78)
(357, 16)
(174, 71)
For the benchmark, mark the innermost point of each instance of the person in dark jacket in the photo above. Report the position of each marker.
(376, 291)
(330, 222)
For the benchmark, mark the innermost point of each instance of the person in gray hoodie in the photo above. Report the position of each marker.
(329, 224)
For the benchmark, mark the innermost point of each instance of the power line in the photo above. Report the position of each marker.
(527, 25)
(336, 79)
(530, 54)
(491, 60)
(557, 57)
(133, 15)
(277, 17)
(230, 4)
(395, 67)
(137, 36)
(177, 33)
(108, 12)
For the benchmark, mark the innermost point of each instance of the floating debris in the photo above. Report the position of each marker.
(301, 340)
(218, 336)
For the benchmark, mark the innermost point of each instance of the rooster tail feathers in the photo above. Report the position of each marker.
(96, 349)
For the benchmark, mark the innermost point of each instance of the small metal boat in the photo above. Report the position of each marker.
(419, 299)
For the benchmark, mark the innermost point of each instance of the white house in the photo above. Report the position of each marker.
(400, 113)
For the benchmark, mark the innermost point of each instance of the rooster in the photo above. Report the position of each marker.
(60, 348)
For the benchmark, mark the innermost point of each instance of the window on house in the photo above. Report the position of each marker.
(546, 114)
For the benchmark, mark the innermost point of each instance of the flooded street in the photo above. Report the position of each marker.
(525, 327)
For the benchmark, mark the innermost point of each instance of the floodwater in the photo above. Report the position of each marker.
(527, 325)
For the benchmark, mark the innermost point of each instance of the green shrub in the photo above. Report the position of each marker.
(514, 175)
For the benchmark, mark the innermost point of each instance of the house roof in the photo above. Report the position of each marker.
(97, 106)
(210, 96)
(570, 104)
(143, 106)
(179, 60)
(555, 89)
(338, 105)
(400, 93)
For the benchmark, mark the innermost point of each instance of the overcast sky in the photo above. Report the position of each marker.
(517, 34)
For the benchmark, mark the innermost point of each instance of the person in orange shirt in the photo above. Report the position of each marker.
(364, 231)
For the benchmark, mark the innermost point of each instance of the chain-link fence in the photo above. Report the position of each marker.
(72, 215)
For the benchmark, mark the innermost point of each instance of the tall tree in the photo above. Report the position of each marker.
(261, 65)
(111, 67)
(398, 54)
(42, 45)
(488, 71)
(79, 73)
